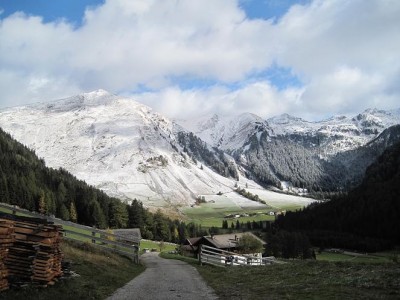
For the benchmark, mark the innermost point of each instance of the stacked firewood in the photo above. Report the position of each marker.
(35, 255)
(7, 239)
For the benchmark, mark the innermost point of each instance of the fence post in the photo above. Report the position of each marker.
(199, 254)
(93, 235)
(136, 254)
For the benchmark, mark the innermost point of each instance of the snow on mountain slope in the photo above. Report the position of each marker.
(339, 133)
(225, 133)
(287, 151)
(129, 151)
(116, 144)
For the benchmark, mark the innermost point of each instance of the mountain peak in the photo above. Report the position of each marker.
(285, 119)
(97, 93)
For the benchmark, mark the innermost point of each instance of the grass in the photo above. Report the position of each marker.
(101, 273)
(303, 280)
(212, 213)
(155, 245)
(306, 280)
(209, 215)
(9, 211)
(369, 258)
(189, 260)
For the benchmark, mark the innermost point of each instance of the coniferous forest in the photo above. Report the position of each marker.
(367, 218)
(25, 181)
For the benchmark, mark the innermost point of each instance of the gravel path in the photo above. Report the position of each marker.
(165, 279)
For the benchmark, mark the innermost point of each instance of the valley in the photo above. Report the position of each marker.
(218, 207)
(174, 186)
(131, 152)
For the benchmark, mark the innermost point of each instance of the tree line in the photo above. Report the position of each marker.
(25, 181)
(367, 218)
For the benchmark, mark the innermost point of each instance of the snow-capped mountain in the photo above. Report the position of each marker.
(225, 133)
(287, 151)
(129, 151)
(116, 144)
(334, 135)
(339, 133)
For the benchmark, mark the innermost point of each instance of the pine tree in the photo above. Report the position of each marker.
(98, 218)
(118, 215)
(4, 196)
(64, 213)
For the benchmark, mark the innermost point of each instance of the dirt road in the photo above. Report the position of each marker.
(165, 279)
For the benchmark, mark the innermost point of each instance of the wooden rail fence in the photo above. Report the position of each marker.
(84, 234)
(221, 258)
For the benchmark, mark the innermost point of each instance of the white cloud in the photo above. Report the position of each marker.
(345, 52)
(260, 98)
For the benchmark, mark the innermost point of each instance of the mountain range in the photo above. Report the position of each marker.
(130, 151)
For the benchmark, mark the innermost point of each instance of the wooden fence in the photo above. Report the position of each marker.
(218, 257)
(84, 234)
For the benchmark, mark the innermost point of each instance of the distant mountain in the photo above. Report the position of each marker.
(122, 147)
(225, 133)
(293, 154)
(372, 210)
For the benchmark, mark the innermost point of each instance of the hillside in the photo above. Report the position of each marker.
(293, 154)
(121, 147)
(366, 218)
(27, 182)
(131, 152)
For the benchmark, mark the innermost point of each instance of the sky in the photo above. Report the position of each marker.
(190, 58)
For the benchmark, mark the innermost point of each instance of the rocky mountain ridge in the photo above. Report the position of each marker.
(129, 151)
(294, 154)
(118, 145)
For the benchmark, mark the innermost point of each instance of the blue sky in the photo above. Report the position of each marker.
(311, 58)
(73, 10)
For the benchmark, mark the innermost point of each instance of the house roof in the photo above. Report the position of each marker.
(223, 241)
(129, 234)
(193, 241)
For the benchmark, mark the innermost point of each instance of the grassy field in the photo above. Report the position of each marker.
(304, 280)
(212, 212)
(100, 274)
(355, 257)
(209, 215)
(156, 245)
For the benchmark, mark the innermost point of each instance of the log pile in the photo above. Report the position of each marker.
(33, 252)
(7, 239)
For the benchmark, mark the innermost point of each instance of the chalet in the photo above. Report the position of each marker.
(225, 242)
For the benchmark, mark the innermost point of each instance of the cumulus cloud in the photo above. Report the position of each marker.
(260, 98)
(346, 54)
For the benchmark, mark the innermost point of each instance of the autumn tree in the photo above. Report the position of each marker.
(249, 244)
(72, 212)
(41, 203)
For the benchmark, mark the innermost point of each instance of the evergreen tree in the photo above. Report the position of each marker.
(63, 212)
(161, 231)
(224, 224)
(118, 215)
(136, 215)
(98, 218)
